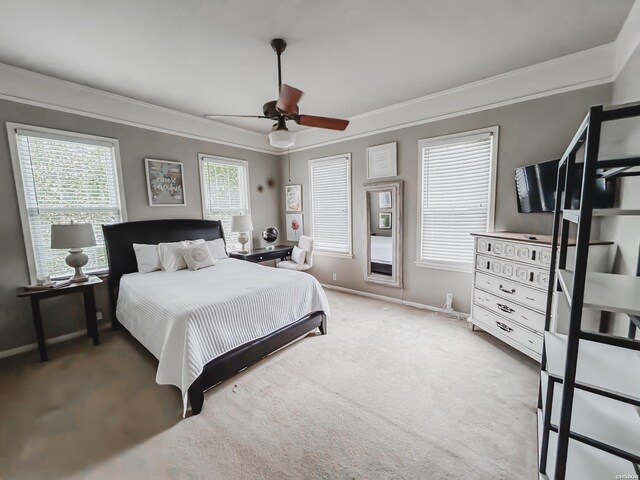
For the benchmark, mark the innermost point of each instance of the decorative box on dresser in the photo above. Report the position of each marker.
(510, 284)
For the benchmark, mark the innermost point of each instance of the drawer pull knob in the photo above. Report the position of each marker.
(512, 291)
(504, 308)
(504, 327)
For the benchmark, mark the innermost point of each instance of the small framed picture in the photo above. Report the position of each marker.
(384, 200)
(165, 183)
(384, 220)
(293, 198)
(295, 227)
(382, 161)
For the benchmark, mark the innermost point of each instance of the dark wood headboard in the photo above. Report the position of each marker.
(119, 239)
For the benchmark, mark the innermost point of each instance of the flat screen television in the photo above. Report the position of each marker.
(536, 188)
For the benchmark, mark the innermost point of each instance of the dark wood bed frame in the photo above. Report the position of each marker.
(119, 240)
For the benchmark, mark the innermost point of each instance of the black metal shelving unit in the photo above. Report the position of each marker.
(596, 430)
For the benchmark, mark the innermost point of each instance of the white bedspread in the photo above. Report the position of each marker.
(382, 249)
(188, 318)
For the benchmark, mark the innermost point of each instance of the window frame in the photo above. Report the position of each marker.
(12, 135)
(206, 157)
(450, 265)
(333, 158)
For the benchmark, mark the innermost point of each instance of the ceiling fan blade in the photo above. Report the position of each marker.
(288, 100)
(235, 116)
(321, 122)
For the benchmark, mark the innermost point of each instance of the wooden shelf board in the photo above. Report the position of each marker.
(600, 366)
(574, 215)
(601, 418)
(606, 291)
(584, 461)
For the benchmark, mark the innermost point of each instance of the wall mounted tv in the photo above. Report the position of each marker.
(536, 188)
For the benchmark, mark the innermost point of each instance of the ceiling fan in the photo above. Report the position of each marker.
(286, 108)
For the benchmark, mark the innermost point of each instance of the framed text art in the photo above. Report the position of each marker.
(165, 183)
(382, 161)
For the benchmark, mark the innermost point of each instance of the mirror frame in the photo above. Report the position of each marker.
(395, 280)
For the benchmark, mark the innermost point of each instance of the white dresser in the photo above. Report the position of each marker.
(511, 278)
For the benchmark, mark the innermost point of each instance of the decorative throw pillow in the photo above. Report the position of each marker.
(147, 257)
(298, 255)
(171, 256)
(216, 247)
(197, 256)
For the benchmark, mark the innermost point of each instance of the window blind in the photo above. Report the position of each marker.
(331, 204)
(224, 193)
(455, 196)
(67, 178)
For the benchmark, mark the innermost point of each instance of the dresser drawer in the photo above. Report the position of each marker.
(512, 290)
(539, 255)
(509, 309)
(528, 275)
(504, 328)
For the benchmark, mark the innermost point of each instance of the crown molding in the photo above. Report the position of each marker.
(595, 66)
(628, 39)
(571, 72)
(24, 86)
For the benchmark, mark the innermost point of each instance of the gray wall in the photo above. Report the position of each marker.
(530, 132)
(625, 137)
(64, 315)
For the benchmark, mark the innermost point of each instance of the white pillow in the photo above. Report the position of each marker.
(216, 247)
(171, 256)
(147, 257)
(197, 256)
(298, 255)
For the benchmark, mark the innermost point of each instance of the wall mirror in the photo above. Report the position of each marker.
(383, 224)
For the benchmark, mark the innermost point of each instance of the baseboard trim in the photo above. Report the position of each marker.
(34, 346)
(398, 301)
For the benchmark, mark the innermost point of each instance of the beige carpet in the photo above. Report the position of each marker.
(391, 392)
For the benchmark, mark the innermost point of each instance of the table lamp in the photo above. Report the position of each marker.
(242, 224)
(75, 237)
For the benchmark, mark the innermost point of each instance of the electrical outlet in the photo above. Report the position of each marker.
(98, 315)
(335, 276)
(449, 304)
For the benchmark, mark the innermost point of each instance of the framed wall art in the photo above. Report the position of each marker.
(295, 227)
(382, 161)
(293, 198)
(165, 183)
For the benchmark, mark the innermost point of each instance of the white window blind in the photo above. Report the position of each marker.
(225, 193)
(66, 178)
(456, 192)
(331, 203)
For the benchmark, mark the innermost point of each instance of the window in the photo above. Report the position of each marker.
(63, 177)
(457, 188)
(331, 204)
(225, 192)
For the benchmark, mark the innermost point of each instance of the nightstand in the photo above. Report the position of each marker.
(279, 252)
(87, 290)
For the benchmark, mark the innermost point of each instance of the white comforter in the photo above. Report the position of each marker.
(187, 318)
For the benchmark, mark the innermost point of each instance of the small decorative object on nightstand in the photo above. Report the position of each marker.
(64, 288)
(242, 224)
(76, 237)
(270, 235)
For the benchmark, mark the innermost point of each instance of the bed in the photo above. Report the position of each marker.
(204, 326)
(381, 254)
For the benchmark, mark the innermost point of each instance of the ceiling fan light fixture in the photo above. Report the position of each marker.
(281, 137)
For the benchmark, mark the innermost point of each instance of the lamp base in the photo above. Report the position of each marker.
(243, 239)
(270, 247)
(77, 259)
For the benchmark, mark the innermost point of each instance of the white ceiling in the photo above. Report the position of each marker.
(350, 57)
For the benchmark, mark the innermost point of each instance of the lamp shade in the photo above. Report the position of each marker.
(72, 235)
(241, 223)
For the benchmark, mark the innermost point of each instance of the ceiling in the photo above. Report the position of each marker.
(350, 57)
